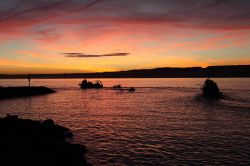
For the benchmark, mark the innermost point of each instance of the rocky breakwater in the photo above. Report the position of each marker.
(28, 142)
(23, 91)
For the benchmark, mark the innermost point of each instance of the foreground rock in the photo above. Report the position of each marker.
(24, 91)
(28, 142)
(211, 90)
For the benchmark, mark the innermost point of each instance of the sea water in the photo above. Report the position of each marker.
(164, 122)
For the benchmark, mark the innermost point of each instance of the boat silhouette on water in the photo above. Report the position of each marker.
(211, 90)
(119, 87)
(89, 85)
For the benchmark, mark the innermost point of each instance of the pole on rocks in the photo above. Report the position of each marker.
(29, 79)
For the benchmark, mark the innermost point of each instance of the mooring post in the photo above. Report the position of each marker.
(29, 79)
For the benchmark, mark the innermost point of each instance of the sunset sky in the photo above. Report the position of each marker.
(64, 36)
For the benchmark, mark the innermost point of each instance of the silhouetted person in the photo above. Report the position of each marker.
(98, 84)
(29, 79)
(84, 82)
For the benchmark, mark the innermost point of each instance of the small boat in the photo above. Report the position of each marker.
(117, 86)
(211, 90)
(132, 89)
(88, 85)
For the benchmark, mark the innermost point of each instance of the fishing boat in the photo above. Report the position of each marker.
(88, 84)
(210, 89)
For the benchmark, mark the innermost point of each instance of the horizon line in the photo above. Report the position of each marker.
(96, 72)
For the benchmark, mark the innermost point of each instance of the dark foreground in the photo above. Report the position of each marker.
(28, 142)
(24, 91)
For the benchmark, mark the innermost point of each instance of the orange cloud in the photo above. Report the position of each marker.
(153, 35)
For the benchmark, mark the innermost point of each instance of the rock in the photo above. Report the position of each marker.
(10, 92)
(11, 117)
(68, 134)
(27, 142)
(48, 123)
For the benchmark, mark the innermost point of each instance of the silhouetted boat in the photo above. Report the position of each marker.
(210, 89)
(132, 89)
(117, 86)
(87, 84)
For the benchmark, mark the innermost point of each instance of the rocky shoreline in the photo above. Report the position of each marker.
(29, 142)
(23, 91)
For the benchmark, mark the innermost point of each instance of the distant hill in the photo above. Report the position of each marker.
(166, 72)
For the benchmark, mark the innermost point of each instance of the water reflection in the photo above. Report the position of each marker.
(152, 126)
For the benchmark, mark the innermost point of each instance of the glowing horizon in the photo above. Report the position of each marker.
(98, 35)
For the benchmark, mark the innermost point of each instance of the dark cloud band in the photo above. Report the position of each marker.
(38, 10)
(83, 55)
(226, 14)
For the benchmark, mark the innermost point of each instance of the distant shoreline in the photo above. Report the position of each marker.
(234, 71)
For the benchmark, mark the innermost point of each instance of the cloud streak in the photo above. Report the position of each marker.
(207, 13)
(11, 14)
(158, 33)
(83, 55)
(59, 7)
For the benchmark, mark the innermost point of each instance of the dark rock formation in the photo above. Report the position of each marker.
(28, 142)
(211, 90)
(9, 92)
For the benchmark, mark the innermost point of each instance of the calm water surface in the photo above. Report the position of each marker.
(164, 122)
